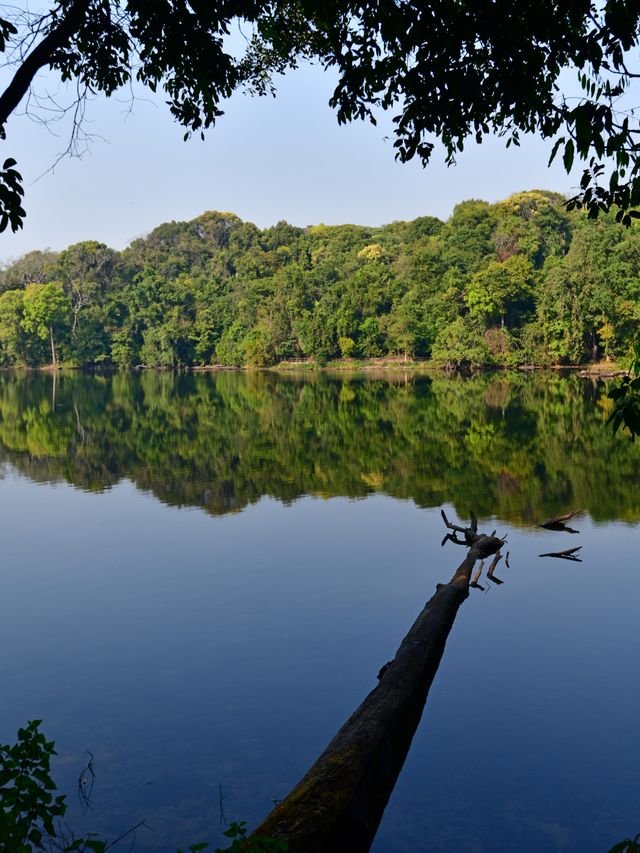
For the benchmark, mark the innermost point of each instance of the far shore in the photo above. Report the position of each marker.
(601, 369)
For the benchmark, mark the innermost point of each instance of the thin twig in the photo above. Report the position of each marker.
(223, 819)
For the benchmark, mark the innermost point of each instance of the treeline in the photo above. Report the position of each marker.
(513, 445)
(522, 281)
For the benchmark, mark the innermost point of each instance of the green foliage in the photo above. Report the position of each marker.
(28, 806)
(243, 844)
(35, 266)
(44, 306)
(30, 813)
(11, 191)
(216, 290)
(255, 844)
(500, 289)
(45, 312)
(534, 224)
(347, 347)
(11, 328)
(460, 345)
(626, 397)
(486, 71)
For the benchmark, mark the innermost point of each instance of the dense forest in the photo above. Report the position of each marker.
(522, 281)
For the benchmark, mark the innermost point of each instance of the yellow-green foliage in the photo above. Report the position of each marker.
(218, 290)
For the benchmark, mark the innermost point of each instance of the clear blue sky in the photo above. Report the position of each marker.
(268, 159)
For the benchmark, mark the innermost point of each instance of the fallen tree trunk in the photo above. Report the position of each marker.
(338, 804)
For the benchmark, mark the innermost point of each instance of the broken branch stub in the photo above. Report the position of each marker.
(471, 537)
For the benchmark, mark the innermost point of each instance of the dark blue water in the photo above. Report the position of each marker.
(206, 659)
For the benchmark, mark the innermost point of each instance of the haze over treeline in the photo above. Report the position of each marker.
(522, 281)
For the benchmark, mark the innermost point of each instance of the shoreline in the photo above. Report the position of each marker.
(601, 370)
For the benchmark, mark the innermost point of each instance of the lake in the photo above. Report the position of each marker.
(202, 575)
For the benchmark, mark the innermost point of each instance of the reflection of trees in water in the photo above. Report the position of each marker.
(516, 446)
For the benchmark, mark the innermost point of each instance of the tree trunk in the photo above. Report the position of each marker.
(338, 805)
(53, 348)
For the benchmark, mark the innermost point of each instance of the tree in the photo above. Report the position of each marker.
(460, 345)
(534, 224)
(402, 328)
(217, 289)
(45, 311)
(497, 289)
(451, 69)
(11, 331)
(85, 269)
(34, 266)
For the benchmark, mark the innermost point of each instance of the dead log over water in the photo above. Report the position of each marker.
(338, 804)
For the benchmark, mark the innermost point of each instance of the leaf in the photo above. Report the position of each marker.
(95, 845)
(554, 150)
(567, 157)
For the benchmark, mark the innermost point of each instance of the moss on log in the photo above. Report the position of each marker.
(339, 803)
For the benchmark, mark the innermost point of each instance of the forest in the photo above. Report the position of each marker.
(520, 282)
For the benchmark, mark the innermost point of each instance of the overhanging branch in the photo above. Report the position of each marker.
(39, 57)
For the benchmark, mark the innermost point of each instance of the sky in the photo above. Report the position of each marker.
(267, 159)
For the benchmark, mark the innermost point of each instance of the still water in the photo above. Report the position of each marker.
(202, 575)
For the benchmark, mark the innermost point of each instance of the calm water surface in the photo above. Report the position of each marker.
(203, 574)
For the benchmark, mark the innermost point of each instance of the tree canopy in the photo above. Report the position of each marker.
(523, 281)
(452, 70)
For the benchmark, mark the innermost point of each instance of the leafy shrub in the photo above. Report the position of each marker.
(29, 809)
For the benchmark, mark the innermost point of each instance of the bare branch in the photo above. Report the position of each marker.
(472, 539)
(449, 525)
(40, 57)
(491, 569)
(476, 578)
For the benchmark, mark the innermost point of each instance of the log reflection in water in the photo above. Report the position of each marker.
(558, 523)
(569, 554)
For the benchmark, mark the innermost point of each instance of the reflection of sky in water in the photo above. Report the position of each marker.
(191, 652)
